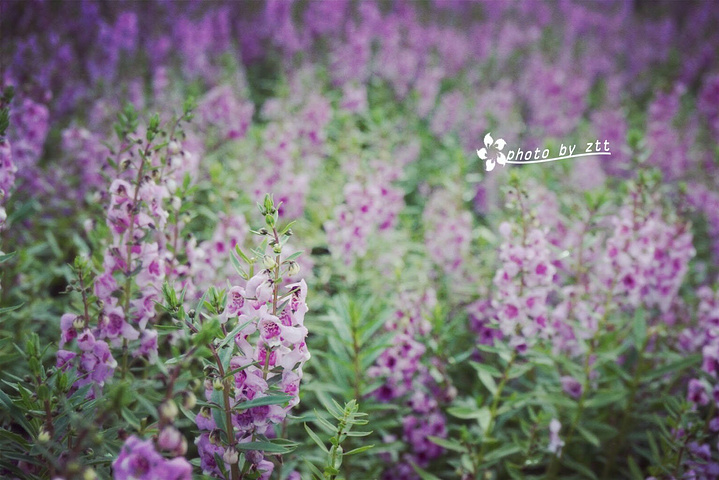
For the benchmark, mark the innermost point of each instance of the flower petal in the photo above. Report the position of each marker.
(500, 143)
(490, 164)
(501, 158)
(482, 154)
(488, 140)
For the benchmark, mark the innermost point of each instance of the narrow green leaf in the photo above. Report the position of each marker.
(448, 444)
(355, 451)
(316, 439)
(639, 328)
(261, 401)
(423, 474)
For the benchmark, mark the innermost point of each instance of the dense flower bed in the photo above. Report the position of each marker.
(284, 239)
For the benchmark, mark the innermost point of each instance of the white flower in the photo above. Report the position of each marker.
(497, 146)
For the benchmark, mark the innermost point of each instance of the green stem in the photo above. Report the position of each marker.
(493, 408)
(234, 469)
(128, 280)
(626, 417)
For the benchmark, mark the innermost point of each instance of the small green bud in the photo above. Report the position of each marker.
(269, 204)
(89, 474)
(217, 384)
(189, 400)
(168, 410)
(293, 269)
(78, 323)
(43, 436)
(269, 262)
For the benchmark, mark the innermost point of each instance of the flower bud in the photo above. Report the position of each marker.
(173, 148)
(78, 323)
(215, 437)
(269, 203)
(189, 400)
(269, 262)
(43, 436)
(253, 456)
(231, 456)
(217, 384)
(89, 474)
(168, 410)
(169, 439)
(293, 269)
(182, 449)
(277, 248)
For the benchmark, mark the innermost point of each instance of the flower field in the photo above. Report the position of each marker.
(344, 239)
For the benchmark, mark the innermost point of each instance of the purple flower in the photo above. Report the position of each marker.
(571, 386)
(697, 393)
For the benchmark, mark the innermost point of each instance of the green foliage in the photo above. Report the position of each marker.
(345, 420)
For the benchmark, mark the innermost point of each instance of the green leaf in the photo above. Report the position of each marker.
(578, 467)
(639, 328)
(315, 471)
(231, 336)
(262, 446)
(604, 399)
(589, 436)
(424, 475)
(472, 413)
(355, 451)
(678, 365)
(207, 332)
(292, 257)
(238, 267)
(634, 469)
(7, 256)
(10, 309)
(487, 380)
(316, 439)
(502, 452)
(15, 413)
(486, 368)
(217, 413)
(448, 444)
(261, 401)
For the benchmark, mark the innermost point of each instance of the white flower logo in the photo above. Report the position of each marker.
(490, 144)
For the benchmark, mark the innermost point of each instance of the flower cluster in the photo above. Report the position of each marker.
(29, 128)
(404, 369)
(270, 343)
(523, 283)
(138, 460)
(646, 257)
(449, 231)
(369, 208)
